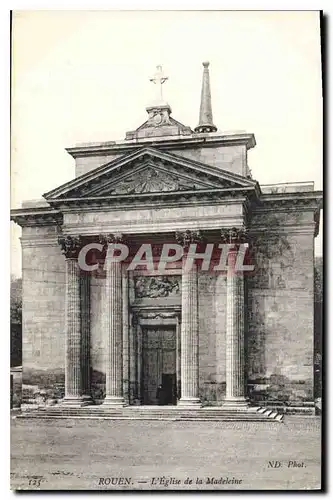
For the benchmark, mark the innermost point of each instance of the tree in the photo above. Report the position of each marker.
(318, 325)
(15, 321)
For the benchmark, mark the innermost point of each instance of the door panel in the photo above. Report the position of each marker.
(159, 364)
(169, 361)
(150, 376)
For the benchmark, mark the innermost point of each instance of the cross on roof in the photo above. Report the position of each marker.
(159, 78)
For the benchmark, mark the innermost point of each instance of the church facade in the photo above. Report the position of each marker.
(120, 334)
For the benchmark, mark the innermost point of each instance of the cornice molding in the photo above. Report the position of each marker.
(36, 217)
(295, 199)
(292, 228)
(160, 227)
(138, 200)
(169, 143)
(35, 241)
(277, 292)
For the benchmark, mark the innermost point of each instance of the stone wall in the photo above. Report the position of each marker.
(281, 314)
(85, 164)
(43, 315)
(212, 336)
(230, 158)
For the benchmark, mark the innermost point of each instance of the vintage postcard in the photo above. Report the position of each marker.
(166, 275)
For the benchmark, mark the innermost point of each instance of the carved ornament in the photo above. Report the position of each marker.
(156, 286)
(152, 180)
(70, 246)
(185, 238)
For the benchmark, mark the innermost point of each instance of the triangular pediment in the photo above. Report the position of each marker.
(149, 171)
(151, 179)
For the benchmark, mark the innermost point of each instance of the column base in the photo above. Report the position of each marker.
(114, 402)
(189, 403)
(236, 403)
(76, 401)
(88, 399)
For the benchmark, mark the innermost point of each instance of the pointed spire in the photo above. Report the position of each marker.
(206, 115)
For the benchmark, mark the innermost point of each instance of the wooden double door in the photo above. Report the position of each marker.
(159, 361)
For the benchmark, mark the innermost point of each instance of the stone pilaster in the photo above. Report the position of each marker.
(235, 368)
(113, 330)
(75, 349)
(189, 359)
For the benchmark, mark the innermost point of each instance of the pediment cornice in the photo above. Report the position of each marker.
(150, 171)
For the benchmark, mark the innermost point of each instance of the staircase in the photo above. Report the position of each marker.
(171, 413)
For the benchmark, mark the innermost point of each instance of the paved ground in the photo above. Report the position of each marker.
(93, 454)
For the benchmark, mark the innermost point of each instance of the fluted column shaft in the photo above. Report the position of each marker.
(189, 338)
(178, 356)
(73, 375)
(189, 335)
(77, 327)
(85, 334)
(114, 343)
(126, 339)
(235, 382)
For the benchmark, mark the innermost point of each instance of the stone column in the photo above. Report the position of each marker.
(114, 327)
(139, 340)
(133, 364)
(235, 369)
(189, 327)
(178, 355)
(126, 341)
(75, 348)
(85, 335)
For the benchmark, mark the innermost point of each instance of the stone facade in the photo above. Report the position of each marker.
(224, 338)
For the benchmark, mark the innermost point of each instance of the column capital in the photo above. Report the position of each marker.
(70, 245)
(186, 237)
(234, 235)
(111, 238)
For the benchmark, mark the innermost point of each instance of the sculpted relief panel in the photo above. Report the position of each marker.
(152, 180)
(156, 286)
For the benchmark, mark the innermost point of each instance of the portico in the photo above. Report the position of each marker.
(149, 317)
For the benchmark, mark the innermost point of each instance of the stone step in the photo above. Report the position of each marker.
(155, 415)
(138, 413)
(140, 410)
(224, 418)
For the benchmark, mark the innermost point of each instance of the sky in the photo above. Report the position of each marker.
(83, 76)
